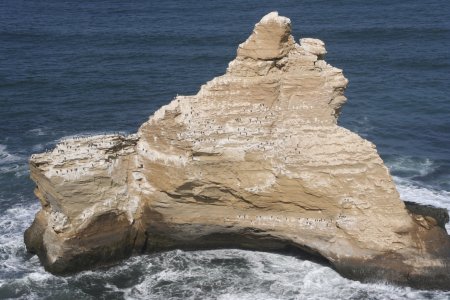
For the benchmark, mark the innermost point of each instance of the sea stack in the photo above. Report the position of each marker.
(254, 160)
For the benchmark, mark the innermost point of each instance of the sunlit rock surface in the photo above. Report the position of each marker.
(255, 160)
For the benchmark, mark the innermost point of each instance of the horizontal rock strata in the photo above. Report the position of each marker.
(255, 160)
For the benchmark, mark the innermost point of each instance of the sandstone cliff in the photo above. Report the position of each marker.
(254, 160)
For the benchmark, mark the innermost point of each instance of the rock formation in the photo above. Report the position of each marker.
(255, 160)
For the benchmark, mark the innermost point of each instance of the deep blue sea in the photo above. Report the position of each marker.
(85, 67)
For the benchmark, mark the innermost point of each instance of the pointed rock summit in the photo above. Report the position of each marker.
(271, 39)
(255, 160)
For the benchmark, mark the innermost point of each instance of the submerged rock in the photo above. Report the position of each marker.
(255, 160)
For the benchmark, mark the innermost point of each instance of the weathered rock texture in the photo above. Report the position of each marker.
(255, 160)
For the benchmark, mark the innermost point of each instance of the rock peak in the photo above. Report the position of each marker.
(274, 17)
(271, 39)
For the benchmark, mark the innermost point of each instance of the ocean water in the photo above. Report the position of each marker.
(84, 67)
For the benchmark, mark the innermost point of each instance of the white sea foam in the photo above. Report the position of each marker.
(17, 269)
(414, 166)
(410, 191)
(6, 157)
(237, 274)
(38, 131)
(19, 170)
(13, 223)
(12, 163)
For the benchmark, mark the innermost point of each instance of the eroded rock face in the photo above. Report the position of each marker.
(255, 160)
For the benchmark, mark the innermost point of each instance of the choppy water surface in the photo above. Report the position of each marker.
(84, 67)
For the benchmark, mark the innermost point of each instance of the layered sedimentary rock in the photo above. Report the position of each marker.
(255, 160)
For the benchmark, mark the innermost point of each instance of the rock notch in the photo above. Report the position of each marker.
(255, 160)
